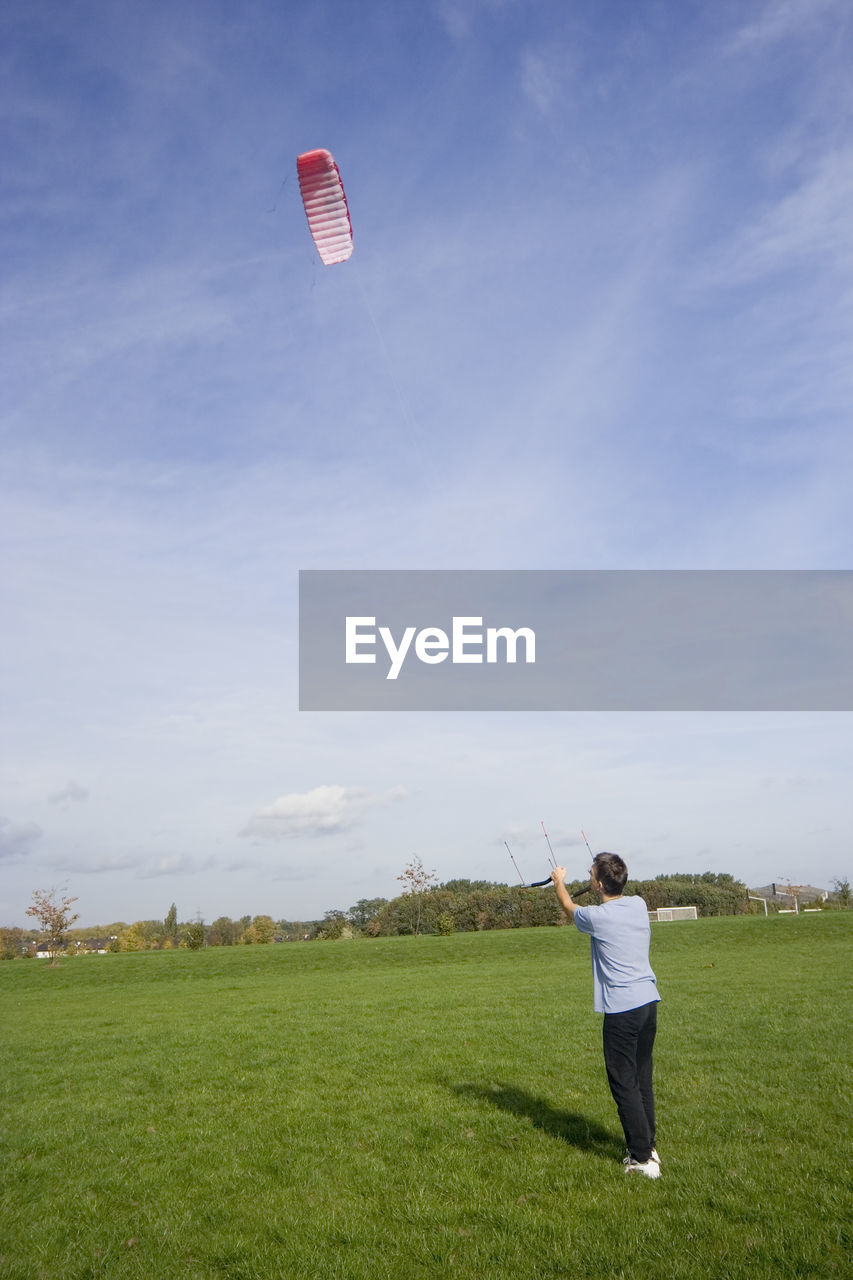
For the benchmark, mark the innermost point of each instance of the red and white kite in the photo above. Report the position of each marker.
(325, 205)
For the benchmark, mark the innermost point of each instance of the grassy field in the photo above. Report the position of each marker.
(419, 1107)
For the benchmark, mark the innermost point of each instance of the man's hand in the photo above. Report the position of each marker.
(558, 875)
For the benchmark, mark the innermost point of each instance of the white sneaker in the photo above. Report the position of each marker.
(651, 1168)
(654, 1156)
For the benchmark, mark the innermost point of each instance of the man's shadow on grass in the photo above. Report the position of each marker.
(566, 1126)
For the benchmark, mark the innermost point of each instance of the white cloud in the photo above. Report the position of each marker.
(326, 810)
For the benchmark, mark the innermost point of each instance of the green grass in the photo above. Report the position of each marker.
(419, 1107)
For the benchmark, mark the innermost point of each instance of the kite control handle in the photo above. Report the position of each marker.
(573, 891)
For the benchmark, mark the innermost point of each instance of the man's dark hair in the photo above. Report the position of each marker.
(610, 872)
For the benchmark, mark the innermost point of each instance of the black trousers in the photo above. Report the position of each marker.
(628, 1041)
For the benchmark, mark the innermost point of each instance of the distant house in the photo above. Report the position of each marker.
(80, 947)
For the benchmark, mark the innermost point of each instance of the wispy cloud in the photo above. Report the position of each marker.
(460, 16)
(783, 280)
(17, 839)
(71, 792)
(780, 20)
(531, 838)
(809, 225)
(143, 866)
(96, 865)
(540, 79)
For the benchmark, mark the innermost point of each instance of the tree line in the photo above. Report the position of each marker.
(423, 907)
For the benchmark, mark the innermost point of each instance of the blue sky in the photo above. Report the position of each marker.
(599, 315)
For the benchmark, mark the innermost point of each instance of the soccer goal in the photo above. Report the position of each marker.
(674, 913)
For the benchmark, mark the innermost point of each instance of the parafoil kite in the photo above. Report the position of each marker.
(325, 205)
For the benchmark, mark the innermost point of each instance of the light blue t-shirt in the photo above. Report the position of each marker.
(619, 932)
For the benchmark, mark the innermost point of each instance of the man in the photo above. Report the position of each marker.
(625, 991)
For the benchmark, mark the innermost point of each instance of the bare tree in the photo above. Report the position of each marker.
(417, 882)
(55, 919)
(841, 888)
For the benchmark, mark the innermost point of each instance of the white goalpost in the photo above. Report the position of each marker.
(673, 913)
